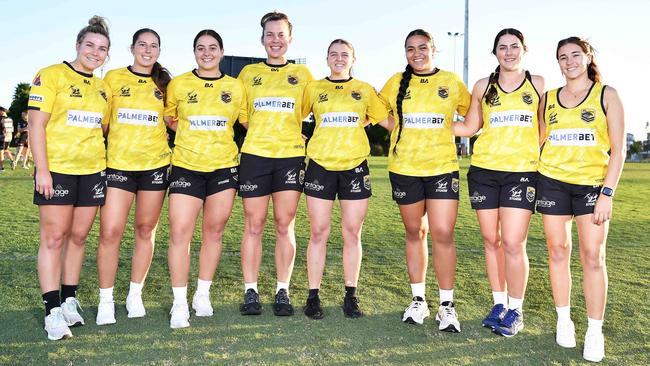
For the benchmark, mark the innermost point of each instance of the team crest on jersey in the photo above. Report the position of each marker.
(454, 185)
(192, 97)
(366, 182)
(322, 97)
(407, 95)
(552, 118)
(527, 98)
(530, 194)
(125, 91)
(257, 81)
(158, 94)
(494, 100)
(588, 115)
(226, 96)
(356, 95)
(443, 92)
(37, 80)
(103, 94)
(293, 80)
(75, 92)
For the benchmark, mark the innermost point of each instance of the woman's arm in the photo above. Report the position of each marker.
(474, 117)
(37, 142)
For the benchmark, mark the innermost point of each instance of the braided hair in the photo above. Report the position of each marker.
(494, 77)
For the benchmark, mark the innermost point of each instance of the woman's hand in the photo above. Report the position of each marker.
(43, 184)
(602, 210)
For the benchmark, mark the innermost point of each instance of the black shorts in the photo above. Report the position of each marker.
(409, 189)
(353, 184)
(22, 140)
(493, 189)
(78, 190)
(142, 180)
(5, 145)
(201, 184)
(260, 176)
(559, 198)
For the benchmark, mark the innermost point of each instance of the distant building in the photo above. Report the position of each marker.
(629, 139)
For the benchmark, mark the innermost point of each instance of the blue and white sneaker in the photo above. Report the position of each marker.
(496, 315)
(511, 324)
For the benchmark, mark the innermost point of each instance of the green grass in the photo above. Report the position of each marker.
(377, 338)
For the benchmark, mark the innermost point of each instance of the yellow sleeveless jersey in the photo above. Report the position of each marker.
(137, 138)
(207, 109)
(509, 140)
(78, 104)
(341, 108)
(426, 147)
(577, 147)
(274, 112)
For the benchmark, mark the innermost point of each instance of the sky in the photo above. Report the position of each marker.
(36, 33)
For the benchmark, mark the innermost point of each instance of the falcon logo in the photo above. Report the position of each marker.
(125, 91)
(157, 177)
(590, 199)
(443, 92)
(355, 186)
(408, 94)
(552, 118)
(530, 194)
(515, 193)
(356, 95)
(257, 81)
(226, 96)
(322, 97)
(290, 177)
(37, 80)
(75, 92)
(527, 98)
(98, 189)
(454, 185)
(192, 97)
(158, 94)
(494, 100)
(293, 80)
(588, 115)
(441, 185)
(103, 94)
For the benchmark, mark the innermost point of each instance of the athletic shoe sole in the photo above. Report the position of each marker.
(507, 335)
(251, 310)
(283, 312)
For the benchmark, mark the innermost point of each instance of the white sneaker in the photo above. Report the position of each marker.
(447, 318)
(70, 312)
(135, 307)
(565, 334)
(180, 316)
(416, 312)
(594, 347)
(201, 305)
(105, 313)
(55, 325)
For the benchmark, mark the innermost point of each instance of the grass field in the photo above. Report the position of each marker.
(377, 338)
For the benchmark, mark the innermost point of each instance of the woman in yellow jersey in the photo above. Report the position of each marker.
(423, 171)
(502, 175)
(338, 149)
(202, 107)
(67, 110)
(137, 161)
(272, 161)
(580, 165)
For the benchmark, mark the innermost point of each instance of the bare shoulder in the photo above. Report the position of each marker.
(481, 85)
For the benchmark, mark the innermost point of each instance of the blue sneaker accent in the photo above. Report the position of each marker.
(496, 315)
(511, 324)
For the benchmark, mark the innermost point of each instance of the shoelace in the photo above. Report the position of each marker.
(251, 297)
(510, 317)
(449, 310)
(76, 303)
(495, 312)
(282, 298)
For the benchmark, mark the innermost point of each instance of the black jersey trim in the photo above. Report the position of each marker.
(274, 65)
(602, 100)
(526, 77)
(545, 102)
(338, 81)
(196, 73)
(86, 75)
(559, 102)
(530, 78)
(138, 73)
(32, 108)
(435, 71)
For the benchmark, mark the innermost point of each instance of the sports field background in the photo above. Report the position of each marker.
(377, 338)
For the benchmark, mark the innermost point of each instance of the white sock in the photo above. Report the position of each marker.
(446, 295)
(563, 313)
(515, 303)
(418, 289)
(594, 325)
(250, 285)
(203, 287)
(106, 294)
(282, 285)
(135, 289)
(500, 297)
(180, 295)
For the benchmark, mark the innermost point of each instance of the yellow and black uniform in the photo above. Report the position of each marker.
(77, 104)
(426, 147)
(206, 109)
(506, 153)
(575, 155)
(138, 154)
(274, 117)
(339, 146)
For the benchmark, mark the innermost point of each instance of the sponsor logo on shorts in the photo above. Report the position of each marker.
(117, 177)
(590, 199)
(398, 194)
(530, 194)
(358, 169)
(355, 186)
(157, 177)
(60, 192)
(274, 104)
(339, 119)
(290, 177)
(98, 190)
(301, 176)
(524, 179)
(454, 185)
(180, 183)
(546, 203)
(233, 170)
(84, 119)
(573, 137)
(511, 118)
(366, 182)
(314, 186)
(247, 187)
(477, 198)
(515, 193)
(208, 123)
(35, 98)
(223, 182)
(137, 117)
(424, 120)
(442, 185)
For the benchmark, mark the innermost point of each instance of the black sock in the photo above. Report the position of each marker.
(51, 300)
(350, 291)
(68, 291)
(313, 293)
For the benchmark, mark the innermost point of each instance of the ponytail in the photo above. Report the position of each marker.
(401, 93)
(160, 77)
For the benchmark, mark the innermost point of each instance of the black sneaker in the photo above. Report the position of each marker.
(351, 307)
(313, 309)
(251, 305)
(282, 305)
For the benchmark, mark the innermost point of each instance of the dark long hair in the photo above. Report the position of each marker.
(592, 69)
(159, 74)
(494, 77)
